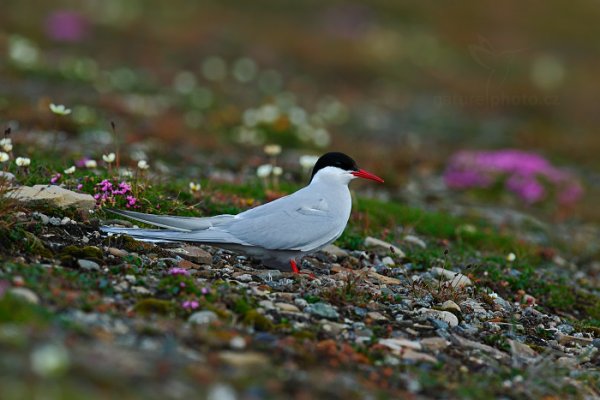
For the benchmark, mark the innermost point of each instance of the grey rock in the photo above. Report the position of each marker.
(451, 306)
(381, 247)
(388, 262)
(55, 221)
(445, 316)
(270, 275)
(60, 196)
(334, 251)
(141, 290)
(193, 254)
(323, 310)
(203, 318)
(88, 265)
(456, 279)
(25, 294)
(565, 328)
(44, 219)
(415, 240)
(244, 278)
(301, 303)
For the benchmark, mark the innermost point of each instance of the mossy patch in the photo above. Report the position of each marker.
(258, 321)
(154, 306)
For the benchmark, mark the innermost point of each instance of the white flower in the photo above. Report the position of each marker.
(23, 161)
(70, 170)
(59, 109)
(511, 257)
(91, 164)
(195, 187)
(493, 295)
(6, 144)
(264, 170)
(307, 161)
(277, 171)
(272, 149)
(3, 157)
(143, 164)
(108, 158)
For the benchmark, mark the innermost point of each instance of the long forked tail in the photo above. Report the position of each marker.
(183, 224)
(179, 229)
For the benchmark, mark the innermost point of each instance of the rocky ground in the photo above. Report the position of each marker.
(83, 315)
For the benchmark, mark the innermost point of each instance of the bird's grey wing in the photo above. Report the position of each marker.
(184, 224)
(210, 235)
(288, 225)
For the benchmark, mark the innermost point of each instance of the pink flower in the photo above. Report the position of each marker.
(66, 26)
(178, 271)
(205, 290)
(79, 187)
(55, 178)
(190, 304)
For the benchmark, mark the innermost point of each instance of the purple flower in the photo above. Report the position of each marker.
(178, 271)
(66, 26)
(55, 178)
(190, 304)
(79, 186)
(525, 174)
(205, 290)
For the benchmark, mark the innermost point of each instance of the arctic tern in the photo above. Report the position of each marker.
(277, 233)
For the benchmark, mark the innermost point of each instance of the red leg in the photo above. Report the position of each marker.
(294, 266)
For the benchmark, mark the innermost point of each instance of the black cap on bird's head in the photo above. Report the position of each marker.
(344, 162)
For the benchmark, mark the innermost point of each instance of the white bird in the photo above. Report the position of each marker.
(277, 233)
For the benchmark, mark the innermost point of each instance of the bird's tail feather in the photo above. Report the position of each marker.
(183, 224)
(167, 235)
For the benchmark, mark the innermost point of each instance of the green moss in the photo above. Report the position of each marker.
(154, 306)
(258, 321)
(18, 311)
(86, 252)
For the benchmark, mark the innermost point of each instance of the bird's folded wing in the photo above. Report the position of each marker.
(184, 224)
(302, 229)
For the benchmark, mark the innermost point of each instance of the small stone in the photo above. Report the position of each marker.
(398, 344)
(60, 196)
(88, 265)
(193, 254)
(417, 356)
(25, 294)
(521, 349)
(596, 343)
(383, 279)
(205, 317)
(270, 275)
(237, 343)
(323, 310)
(266, 304)
(566, 339)
(451, 306)
(434, 343)
(376, 316)
(444, 316)
(334, 251)
(245, 278)
(243, 360)
(7, 176)
(381, 247)
(388, 261)
(66, 220)
(473, 307)
(140, 290)
(55, 221)
(287, 307)
(44, 219)
(456, 279)
(301, 303)
(117, 252)
(415, 240)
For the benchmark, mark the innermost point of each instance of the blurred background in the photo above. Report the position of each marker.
(401, 86)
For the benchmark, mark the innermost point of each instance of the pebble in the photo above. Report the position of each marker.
(270, 275)
(415, 240)
(25, 294)
(434, 343)
(250, 359)
(245, 278)
(444, 316)
(88, 265)
(117, 252)
(193, 254)
(301, 303)
(334, 251)
(287, 307)
(140, 290)
(451, 306)
(398, 344)
(456, 279)
(204, 317)
(376, 316)
(44, 219)
(388, 261)
(322, 310)
(381, 247)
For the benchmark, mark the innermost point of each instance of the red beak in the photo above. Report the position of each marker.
(361, 173)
